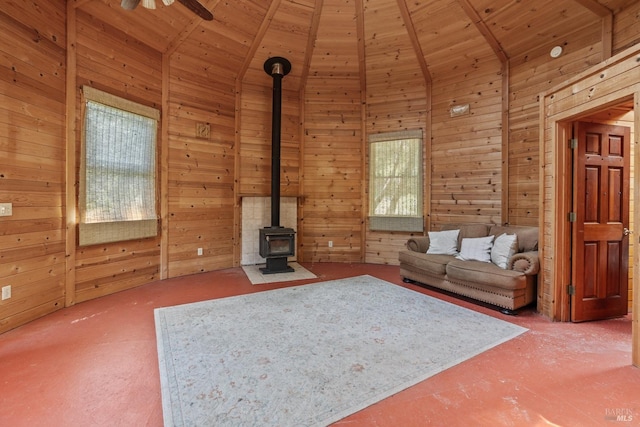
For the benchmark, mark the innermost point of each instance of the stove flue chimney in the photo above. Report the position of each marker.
(277, 68)
(276, 242)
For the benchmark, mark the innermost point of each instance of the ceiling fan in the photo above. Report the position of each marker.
(192, 5)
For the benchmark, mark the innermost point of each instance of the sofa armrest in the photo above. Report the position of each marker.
(418, 244)
(526, 262)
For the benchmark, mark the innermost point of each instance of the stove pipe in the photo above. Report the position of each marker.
(277, 68)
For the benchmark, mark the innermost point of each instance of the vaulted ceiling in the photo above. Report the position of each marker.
(444, 34)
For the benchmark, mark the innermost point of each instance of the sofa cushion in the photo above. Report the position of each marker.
(483, 273)
(527, 236)
(443, 242)
(434, 265)
(476, 248)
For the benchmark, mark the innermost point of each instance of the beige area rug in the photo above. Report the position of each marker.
(257, 278)
(309, 355)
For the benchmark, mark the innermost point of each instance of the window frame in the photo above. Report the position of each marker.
(92, 233)
(403, 223)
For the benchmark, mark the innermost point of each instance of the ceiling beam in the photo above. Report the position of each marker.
(606, 15)
(77, 3)
(595, 7)
(189, 29)
(311, 41)
(413, 36)
(607, 37)
(482, 26)
(264, 26)
(362, 61)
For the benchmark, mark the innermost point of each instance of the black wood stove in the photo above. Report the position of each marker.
(276, 242)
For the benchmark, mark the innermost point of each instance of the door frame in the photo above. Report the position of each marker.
(609, 83)
(564, 205)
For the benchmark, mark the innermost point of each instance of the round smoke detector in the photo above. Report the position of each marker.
(556, 51)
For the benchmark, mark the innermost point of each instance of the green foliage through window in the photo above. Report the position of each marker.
(395, 183)
(117, 199)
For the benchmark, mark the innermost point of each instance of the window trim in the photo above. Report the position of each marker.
(114, 231)
(403, 223)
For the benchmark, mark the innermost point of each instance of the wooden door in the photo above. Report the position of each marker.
(600, 233)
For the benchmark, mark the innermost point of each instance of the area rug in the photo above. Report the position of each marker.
(256, 277)
(309, 355)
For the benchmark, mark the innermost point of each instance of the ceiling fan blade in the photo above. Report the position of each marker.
(149, 4)
(198, 9)
(129, 4)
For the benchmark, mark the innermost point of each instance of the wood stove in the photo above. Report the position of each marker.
(276, 242)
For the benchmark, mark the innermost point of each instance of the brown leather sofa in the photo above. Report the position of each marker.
(510, 288)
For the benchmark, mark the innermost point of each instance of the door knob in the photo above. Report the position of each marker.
(627, 231)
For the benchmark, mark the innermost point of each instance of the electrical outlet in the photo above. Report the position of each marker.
(6, 292)
(330, 243)
(199, 251)
(6, 209)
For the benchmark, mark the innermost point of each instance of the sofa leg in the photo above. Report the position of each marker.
(406, 280)
(508, 312)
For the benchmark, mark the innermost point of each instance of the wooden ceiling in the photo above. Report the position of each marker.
(446, 36)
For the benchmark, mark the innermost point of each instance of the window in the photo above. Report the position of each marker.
(118, 170)
(395, 181)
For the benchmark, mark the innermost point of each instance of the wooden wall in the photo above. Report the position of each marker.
(534, 72)
(586, 92)
(110, 61)
(200, 168)
(531, 74)
(255, 145)
(562, 104)
(392, 105)
(332, 204)
(288, 37)
(32, 159)
(466, 153)
(625, 27)
(359, 70)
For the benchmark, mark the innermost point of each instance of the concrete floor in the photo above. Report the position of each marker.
(95, 364)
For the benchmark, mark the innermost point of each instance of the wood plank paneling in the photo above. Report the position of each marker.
(531, 74)
(200, 170)
(332, 204)
(255, 145)
(155, 28)
(542, 24)
(32, 120)
(466, 181)
(625, 24)
(396, 99)
(589, 91)
(110, 60)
